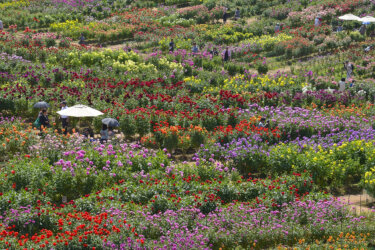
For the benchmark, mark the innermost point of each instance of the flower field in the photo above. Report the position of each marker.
(258, 147)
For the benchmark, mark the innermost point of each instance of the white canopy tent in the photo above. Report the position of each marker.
(350, 17)
(80, 111)
(368, 19)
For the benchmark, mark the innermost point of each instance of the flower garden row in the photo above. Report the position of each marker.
(132, 197)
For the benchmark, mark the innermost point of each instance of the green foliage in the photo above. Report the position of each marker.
(262, 67)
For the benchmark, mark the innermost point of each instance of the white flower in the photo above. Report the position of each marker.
(329, 90)
(361, 92)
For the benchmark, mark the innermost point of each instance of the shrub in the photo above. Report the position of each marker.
(356, 36)
(64, 43)
(262, 67)
(128, 127)
(25, 41)
(233, 68)
(159, 206)
(50, 42)
(297, 47)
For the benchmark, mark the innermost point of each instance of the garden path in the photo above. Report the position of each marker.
(251, 20)
(359, 203)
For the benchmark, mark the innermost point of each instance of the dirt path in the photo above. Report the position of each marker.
(115, 47)
(360, 203)
(251, 20)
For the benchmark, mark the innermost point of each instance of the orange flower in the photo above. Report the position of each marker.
(174, 128)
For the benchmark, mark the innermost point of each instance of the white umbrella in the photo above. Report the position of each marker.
(350, 17)
(80, 111)
(368, 19)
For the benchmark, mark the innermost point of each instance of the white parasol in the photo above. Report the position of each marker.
(368, 19)
(350, 17)
(80, 111)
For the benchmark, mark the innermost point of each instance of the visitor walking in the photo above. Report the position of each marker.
(362, 30)
(277, 28)
(82, 40)
(348, 66)
(214, 52)
(339, 28)
(43, 119)
(195, 48)
(237, 14)
(351, 85)
(64, 118)
(1, 25)
(104, 134)
(225, 16)
(342, 84)
(226, 55)
(318, 21)
(171, 46)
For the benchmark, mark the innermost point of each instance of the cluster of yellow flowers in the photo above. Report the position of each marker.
(192, 80)
(268, 40)
(13, 4)
(134, 67)
(106, 56)
(165, 64)
(338, 163)
(66, 27)
(333, 158)
(99, 30)
(180, 43)
(224, 33)
(370, 177)
(241, 83)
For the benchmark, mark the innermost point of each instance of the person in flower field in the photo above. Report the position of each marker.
(104, 134)
(214, 52)
(348, 66)
(362, 29)
(226, 55)
(277, 28)
(237, 14)
(342, 84)
(318, 21)
(43, 119)
(263, 123)
(195, 48)
(225, 16)
(339, 28)
(1, 25)
(82, 40)
(171, 46)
